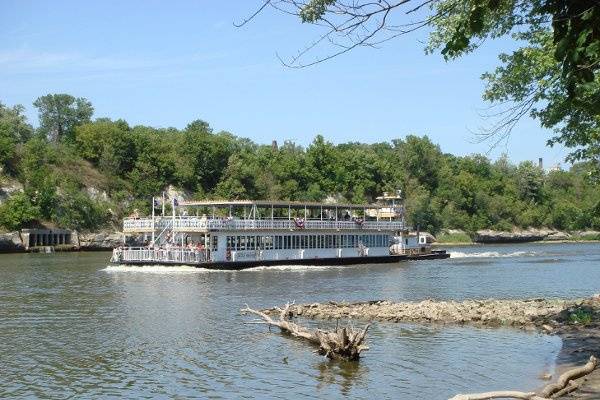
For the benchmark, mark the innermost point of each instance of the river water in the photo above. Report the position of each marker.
(71, 327)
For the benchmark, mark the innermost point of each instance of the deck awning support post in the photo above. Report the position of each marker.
(305, 212)
(321, 213)
(153, 229)
(336, 213)
(173, 222)
(272, 213)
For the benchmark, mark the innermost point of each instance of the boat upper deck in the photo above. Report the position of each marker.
(198, 224)
(247, 215)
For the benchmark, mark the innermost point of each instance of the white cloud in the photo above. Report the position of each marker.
(27, 61)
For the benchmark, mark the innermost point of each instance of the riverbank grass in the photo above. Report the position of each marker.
(454, 237)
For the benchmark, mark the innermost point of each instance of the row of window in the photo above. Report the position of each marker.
(286, 242)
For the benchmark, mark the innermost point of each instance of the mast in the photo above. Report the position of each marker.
(153, 229)
(174, 202)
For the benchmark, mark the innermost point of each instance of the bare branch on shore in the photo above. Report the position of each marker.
(507, 394)
(568, 376)
(561, 387)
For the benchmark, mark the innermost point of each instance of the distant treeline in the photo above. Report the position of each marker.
(86, 174)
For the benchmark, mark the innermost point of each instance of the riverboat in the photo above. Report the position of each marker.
(241, 234)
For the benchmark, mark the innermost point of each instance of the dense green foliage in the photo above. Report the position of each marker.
(555, 73)
(60, 113)
(109, 169)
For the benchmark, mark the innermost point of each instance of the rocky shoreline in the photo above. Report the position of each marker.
(12, 242)
(489, 236)
(576, 321)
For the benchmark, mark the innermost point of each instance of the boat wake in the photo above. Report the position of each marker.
(156, 269)
(295, 268)
(492, 254)
(187, 269)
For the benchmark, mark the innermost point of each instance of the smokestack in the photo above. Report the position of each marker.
(541, 163)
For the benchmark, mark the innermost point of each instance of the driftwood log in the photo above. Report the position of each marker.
(344, 343)
(561, 387)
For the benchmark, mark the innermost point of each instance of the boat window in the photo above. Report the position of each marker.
(215, 243)
(268, 243)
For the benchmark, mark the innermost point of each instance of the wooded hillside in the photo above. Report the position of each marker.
(76, 172)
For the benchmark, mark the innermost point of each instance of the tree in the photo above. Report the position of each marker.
(18, 211)
(420, 158)
(14, 129)
(36, 174)
(554, 76)
(108, 144)
(59, 114)
(530, 180)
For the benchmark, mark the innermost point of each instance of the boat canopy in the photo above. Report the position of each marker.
(275, 204)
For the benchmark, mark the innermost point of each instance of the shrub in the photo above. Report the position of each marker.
(18, 212)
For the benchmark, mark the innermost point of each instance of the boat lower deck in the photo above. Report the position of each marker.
(240, 265)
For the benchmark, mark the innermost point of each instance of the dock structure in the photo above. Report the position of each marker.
(34, 239)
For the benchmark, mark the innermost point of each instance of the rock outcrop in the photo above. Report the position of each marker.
(532, 235)
(8, 189)
(99, 240)
(11, 242)
(558, 236)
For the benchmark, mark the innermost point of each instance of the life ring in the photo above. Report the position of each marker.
(299, 223)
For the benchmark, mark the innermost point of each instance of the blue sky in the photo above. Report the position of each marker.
(165, 64)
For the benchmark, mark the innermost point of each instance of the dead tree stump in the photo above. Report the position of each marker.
(344, 343)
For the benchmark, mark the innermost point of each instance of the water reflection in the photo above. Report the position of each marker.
(344, 374)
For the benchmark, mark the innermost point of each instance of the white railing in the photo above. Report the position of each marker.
(202, 224)
(143, 254)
